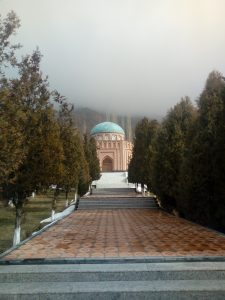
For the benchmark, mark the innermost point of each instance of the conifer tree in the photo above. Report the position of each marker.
(73, 151)
(37, 166)
(8, 27)
(11, 115)
(139, 167)
(12, 150)
(202, 177)
(41, 166)
(84, 177)
(38, 148)
(90, 149)
(169, 151)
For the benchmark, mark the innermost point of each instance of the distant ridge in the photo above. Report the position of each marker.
(87, 118)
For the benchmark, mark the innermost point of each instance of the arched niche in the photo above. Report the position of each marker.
(107, 164)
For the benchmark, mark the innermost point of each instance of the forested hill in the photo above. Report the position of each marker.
(87, 118)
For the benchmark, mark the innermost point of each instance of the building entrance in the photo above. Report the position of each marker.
(107, 165)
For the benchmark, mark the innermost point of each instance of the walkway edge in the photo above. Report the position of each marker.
(146, 259)
(34, 234)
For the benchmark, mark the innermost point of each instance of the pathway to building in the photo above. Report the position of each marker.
(109, 227)
(117, 245)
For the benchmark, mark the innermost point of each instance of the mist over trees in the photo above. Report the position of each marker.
(183, 160)
(40, 145)
(85, 119)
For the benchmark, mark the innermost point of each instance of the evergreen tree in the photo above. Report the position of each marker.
(39, 148)
(139, 167)
(218, 210)
(8, 27)
(202, 180)
(12, 150)
(84, 177)
(73, 151)
(169, 151)
(92, 158)
(11, 116)
(40, 167)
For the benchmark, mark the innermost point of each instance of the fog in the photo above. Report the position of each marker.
(128, 56)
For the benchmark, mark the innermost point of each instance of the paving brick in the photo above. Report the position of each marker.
(122, 233)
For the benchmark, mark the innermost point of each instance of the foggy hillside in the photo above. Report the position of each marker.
(86, 119)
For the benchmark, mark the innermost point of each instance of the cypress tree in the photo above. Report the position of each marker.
(91, 158)
(139, 167)
(169, 151)
(90, 149)
(203, 168)
(40, 166)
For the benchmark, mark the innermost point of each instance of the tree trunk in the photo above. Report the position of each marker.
(17, 230)
(136, 187)
(75, 195)
(53, 215)
(67, 200)
(54, 201)
(90, 188)
(143, 189)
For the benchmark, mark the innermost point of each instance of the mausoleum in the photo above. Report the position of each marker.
(114, 151)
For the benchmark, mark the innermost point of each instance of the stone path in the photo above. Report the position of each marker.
(121, 233)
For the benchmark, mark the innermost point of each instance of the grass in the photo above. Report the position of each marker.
(35, 210)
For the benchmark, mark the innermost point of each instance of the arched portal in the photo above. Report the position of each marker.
(107, 164)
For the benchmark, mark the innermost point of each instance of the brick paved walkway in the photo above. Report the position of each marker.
(121, 233)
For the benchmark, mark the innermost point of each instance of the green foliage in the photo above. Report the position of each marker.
(8, 27)
(76, 172)
(139, 170)
(90, 150)
(12, 139)
(183, 160)
(71, 147)
(84, 172)
(39, 146)
(202, 177)
(169, 152)
(84, 178)
(40, 131)
(42, 166)
(11, 114)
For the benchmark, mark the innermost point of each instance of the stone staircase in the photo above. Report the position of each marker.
(108, 280)
(116, 202)
(128, 278)
(113, 191)
(113, 180)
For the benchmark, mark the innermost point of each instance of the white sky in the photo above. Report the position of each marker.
(126, 55)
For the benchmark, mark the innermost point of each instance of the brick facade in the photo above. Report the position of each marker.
(114, 152)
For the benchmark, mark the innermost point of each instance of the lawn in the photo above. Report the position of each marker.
(35, 210)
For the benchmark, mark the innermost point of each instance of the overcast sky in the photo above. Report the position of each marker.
(126, 55)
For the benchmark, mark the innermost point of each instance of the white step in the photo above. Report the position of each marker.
(121, 280)
(113, 272)
(113, 180)
(109, 290)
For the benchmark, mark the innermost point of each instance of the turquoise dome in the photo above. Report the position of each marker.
(107, 127)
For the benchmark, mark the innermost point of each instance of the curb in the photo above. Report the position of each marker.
(114, 260)
(34, 234)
